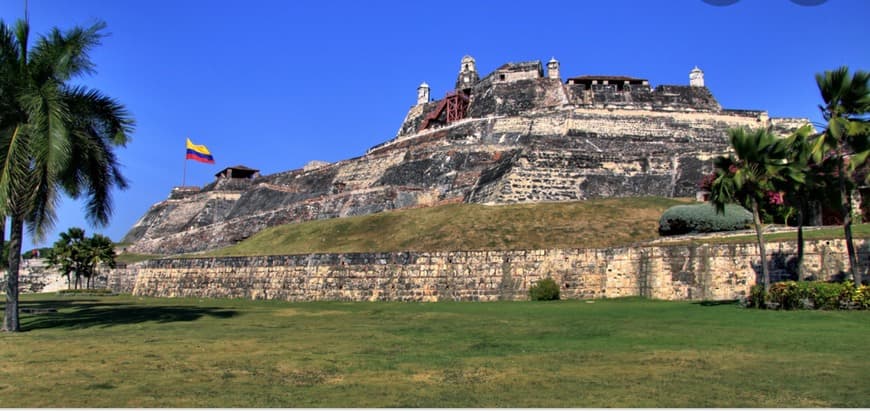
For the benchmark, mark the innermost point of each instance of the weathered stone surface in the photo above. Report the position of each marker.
(526, 138)
(693, 272)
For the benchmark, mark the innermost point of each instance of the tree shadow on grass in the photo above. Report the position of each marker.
(713, 303)
(95, 313)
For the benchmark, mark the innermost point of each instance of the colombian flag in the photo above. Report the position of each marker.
(198, 153)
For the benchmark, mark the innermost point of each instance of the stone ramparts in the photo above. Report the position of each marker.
(669, 272)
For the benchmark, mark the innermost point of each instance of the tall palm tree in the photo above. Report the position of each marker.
(798, 192)
(67, 254)
(845, 139)
(100, 250)
(55, 137)
(748, 176)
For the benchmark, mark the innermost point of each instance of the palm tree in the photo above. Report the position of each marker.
(61, 258)
(100, 250)
(55, 138)
(847, 102)
(748, 177)
(67, 253)
(812, 189)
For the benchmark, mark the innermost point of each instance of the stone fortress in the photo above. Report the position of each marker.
(515, 135)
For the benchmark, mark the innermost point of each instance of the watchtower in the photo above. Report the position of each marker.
(553, 69)
(696, 77)
(467, 74)
(423, 93)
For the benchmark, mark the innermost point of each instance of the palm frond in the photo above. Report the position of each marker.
(65, 55)
(15, 162)
(9, 53)
(108, 118)
(22, 34)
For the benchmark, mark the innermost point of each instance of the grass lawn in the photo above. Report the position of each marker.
(143, 352)
(577, 224)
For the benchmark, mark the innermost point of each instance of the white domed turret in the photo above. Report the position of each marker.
(553, 69)
(423, 93)
(696, 77)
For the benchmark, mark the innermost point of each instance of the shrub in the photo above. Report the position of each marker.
(703, 218)
(756, 297)
(785, 295)
(792, 295)
(544, 290)
(861, 297)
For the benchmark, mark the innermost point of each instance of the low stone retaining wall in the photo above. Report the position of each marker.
(677, 272)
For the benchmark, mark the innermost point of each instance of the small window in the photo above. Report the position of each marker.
(501, 77)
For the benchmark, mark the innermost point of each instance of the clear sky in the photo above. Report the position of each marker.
(273, 84)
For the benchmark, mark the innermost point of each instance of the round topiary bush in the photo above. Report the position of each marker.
(703, 218)
(544, 290)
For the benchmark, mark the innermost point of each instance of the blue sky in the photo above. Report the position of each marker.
(273, 84)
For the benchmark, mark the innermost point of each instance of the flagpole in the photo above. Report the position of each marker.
(184, 175)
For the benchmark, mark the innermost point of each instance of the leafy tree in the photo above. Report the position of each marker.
(54, 137)
(99, 249)
(74, 253)
(748, 176)
(799, 192)
(67, 254)
(845, 139)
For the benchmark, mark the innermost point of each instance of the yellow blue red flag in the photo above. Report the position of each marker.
(199, 153)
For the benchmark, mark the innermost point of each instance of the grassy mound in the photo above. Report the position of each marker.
(592, 223)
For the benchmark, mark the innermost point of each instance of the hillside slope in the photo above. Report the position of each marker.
(591, 223)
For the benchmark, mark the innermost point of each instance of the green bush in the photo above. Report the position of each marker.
(861, 297)
(756, 297)
(819, 295)
(703, 218)
(544, 290)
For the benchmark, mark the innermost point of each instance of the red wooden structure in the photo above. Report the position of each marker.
(456, 105)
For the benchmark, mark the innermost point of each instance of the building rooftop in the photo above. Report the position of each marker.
(237, 171)
(608, 78)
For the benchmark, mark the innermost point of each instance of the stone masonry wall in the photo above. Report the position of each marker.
(678, 272)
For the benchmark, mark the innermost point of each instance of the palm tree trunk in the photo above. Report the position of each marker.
(800, 239)
(765, 274)
(3, 262)
(846, 197)
(11, 321)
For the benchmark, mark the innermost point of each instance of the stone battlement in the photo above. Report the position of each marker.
(519, 134)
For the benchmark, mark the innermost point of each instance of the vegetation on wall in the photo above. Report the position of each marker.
(703, 218)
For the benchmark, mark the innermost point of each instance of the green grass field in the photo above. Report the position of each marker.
(141, 352)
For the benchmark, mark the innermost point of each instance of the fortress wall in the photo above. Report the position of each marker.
(367, 170)
(578, 175)
(231, 231)
(519, 125)
(677, 272)
(656, 125)
(165, 217)
(549, 125)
